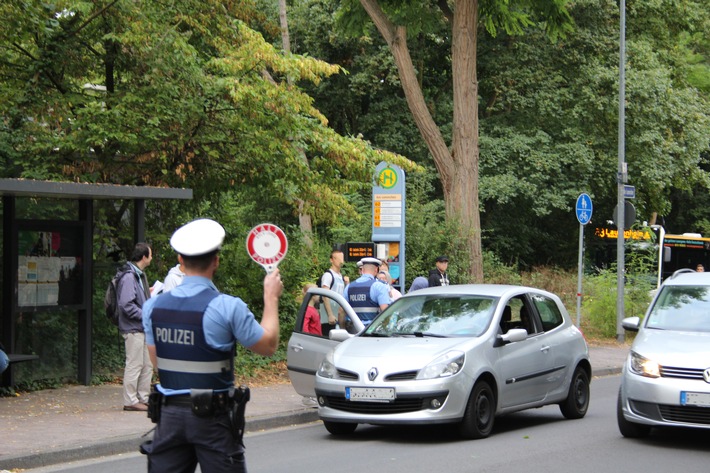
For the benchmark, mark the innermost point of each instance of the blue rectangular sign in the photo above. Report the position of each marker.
(629, 192)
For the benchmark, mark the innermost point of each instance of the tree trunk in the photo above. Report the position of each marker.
(462, 201)
(305, 221)
(458, 168)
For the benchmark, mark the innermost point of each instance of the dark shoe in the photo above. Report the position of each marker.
(136, 407)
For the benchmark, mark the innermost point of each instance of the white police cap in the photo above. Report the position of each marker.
(370, 260)
(198, 237)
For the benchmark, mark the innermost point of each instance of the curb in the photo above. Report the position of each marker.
(131, 443)
(605, 372)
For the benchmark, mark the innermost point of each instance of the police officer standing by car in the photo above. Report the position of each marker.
(367, 295)
(191, 333)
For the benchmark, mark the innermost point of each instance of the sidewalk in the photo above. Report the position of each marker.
(79, 422)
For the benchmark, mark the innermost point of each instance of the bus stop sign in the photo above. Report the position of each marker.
(584, 209)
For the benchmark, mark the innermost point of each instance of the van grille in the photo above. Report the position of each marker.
(686, 414)
(681, 373)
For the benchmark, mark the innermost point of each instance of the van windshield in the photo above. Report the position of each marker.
(681, 308)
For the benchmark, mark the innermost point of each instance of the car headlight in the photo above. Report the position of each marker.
(644, 367)
(327, 367)
(446, 365)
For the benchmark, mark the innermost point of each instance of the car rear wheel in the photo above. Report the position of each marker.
(627, 428)
(477, 422)
(339, 428)
(577, 402)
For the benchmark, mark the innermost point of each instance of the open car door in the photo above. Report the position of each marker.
(307, 348)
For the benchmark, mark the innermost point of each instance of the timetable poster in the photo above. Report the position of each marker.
(49, 270)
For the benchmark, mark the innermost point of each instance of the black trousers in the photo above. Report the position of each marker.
(181, 440)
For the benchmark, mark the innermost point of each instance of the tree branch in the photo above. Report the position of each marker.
(91, 18)
(396, 38)
(444, 7)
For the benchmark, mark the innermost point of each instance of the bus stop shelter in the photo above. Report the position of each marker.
(48, 264)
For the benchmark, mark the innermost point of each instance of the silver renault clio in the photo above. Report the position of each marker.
(666, 378)
(456, 354)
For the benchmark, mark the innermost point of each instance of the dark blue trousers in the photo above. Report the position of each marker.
(181, 440)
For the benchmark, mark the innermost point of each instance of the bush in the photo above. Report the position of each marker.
(599, 305)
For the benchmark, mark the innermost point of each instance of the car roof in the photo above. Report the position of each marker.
(490, 290)
(690, 278)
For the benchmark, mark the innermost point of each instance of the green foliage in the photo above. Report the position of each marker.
(599, 303)
(144, 93)
(201, 100)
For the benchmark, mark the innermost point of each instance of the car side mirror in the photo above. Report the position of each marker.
(339, 335)
(514, 335)
(631, 324)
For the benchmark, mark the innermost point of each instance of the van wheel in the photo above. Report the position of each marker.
(477, 422)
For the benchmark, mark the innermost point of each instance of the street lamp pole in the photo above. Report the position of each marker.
(621, 176)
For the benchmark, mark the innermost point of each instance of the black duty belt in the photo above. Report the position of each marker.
(219, 400)
(178, 400)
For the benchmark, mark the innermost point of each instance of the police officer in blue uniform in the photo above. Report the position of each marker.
(191, 333)
(367, 295)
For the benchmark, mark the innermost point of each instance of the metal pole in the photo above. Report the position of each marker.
(621, 177)
(579, 274)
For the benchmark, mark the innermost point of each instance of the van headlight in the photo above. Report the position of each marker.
(327, 367)
(644, 367)
(446, 365)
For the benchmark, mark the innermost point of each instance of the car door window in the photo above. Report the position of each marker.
(549, 312)
(306, 350)
(313, 318)
(517, 315)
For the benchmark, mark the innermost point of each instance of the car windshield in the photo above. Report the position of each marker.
(435, 316)
(684, 308)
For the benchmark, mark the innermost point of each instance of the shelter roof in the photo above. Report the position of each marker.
(76, 190)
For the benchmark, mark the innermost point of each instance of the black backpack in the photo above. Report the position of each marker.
(319, 282)
(111, 298)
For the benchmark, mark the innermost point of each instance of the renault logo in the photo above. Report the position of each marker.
(706, 375)
(372, 374)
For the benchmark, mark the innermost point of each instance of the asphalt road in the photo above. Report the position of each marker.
(540, 440)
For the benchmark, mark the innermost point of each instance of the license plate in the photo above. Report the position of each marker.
(694, 399)
(370, 394)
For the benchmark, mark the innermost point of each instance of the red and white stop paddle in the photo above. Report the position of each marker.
(267, 245)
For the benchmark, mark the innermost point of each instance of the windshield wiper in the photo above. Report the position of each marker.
(429, 334)
(375, 334)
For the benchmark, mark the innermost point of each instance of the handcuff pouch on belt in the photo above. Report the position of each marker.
(207, 403)
(155, 403)
(203, 402)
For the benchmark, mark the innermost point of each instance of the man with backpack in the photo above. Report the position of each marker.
(133, 290)
(332, 279)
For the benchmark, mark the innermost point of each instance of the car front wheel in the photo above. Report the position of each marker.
(627, 428)
(339, 428)
(477, 422)
(577, 402)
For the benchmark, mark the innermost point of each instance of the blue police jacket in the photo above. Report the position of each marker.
(185, 360)
(358, 295)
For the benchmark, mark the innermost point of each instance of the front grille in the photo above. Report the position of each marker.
(349, 375)
(403, 376)
(400, 405)
(681, 373)
(686, 414)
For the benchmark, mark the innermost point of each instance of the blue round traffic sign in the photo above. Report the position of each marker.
(584, 209)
